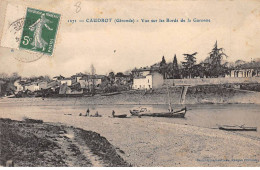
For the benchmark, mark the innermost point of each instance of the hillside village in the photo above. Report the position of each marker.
(144, 78)
(139, 79)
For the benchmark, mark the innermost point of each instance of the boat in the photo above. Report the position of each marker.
(95, 115)
(88, 95)
(71, 95)
(143, 111)
(237, 128)
(120, 116)
(171, 114)
(110, 94)
(140, 110)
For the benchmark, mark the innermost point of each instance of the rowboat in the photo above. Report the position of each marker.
(120, 116)
(95, 115)
(237, 128)
(143, 111)
(110, 94)
(176, 114)
(140, 110)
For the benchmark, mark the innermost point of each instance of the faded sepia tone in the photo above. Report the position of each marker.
(140, 92)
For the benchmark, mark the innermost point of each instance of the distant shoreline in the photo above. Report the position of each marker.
(203, 94)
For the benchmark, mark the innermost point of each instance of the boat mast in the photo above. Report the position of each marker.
(169, 101)
(183, 94)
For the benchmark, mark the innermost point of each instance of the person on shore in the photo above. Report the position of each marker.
(170, 109)
(87, 112)
(113, 113)
(96, 115)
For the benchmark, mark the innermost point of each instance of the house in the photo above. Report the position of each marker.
(19, 85)
(150, 81)
(251, 69)
(87, 81)
(242, 73)
(65, 90)
(56, 78)
(122, 79)
(143, 71)
(34, 86)
(67, 81)
(52, 84)
(43, 85)
(77, 77)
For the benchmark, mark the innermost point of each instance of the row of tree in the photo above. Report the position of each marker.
(189, 69)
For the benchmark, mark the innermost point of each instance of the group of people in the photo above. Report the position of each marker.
(88, 115)
(95, 115)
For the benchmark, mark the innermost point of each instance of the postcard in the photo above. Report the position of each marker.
(97, 83)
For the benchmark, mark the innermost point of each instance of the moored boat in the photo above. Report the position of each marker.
(177, 114)
(120, 116)
(110, 94)
(142, 111)
(237, 128)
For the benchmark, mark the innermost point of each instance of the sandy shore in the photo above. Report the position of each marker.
(38, 144)
(151, 142)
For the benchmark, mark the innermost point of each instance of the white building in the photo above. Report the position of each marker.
(144, 71)
(150, 81)
(67, 81)
(77, 77)
(242, 73)
(18, 85)
(32, 86)
(88, 80)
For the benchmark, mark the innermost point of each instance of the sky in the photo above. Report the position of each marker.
(122, 46)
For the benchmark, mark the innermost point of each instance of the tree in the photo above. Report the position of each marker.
(175, 70)
(105, 84)
(3, 76)
(14, 77)
(216, 56)
(111, 77)
(163, 67)
(163, 62)
(188, 65)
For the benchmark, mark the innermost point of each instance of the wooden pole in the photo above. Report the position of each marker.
(183, 94)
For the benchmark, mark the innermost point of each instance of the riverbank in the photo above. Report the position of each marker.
(162, 142)
(214, 94)
(34, 143)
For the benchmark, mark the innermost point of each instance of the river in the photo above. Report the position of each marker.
(202, 115)
(153, 141)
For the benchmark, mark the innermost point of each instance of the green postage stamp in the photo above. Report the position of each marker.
(39, 31)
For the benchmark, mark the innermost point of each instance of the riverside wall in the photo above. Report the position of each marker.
(206, 81)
